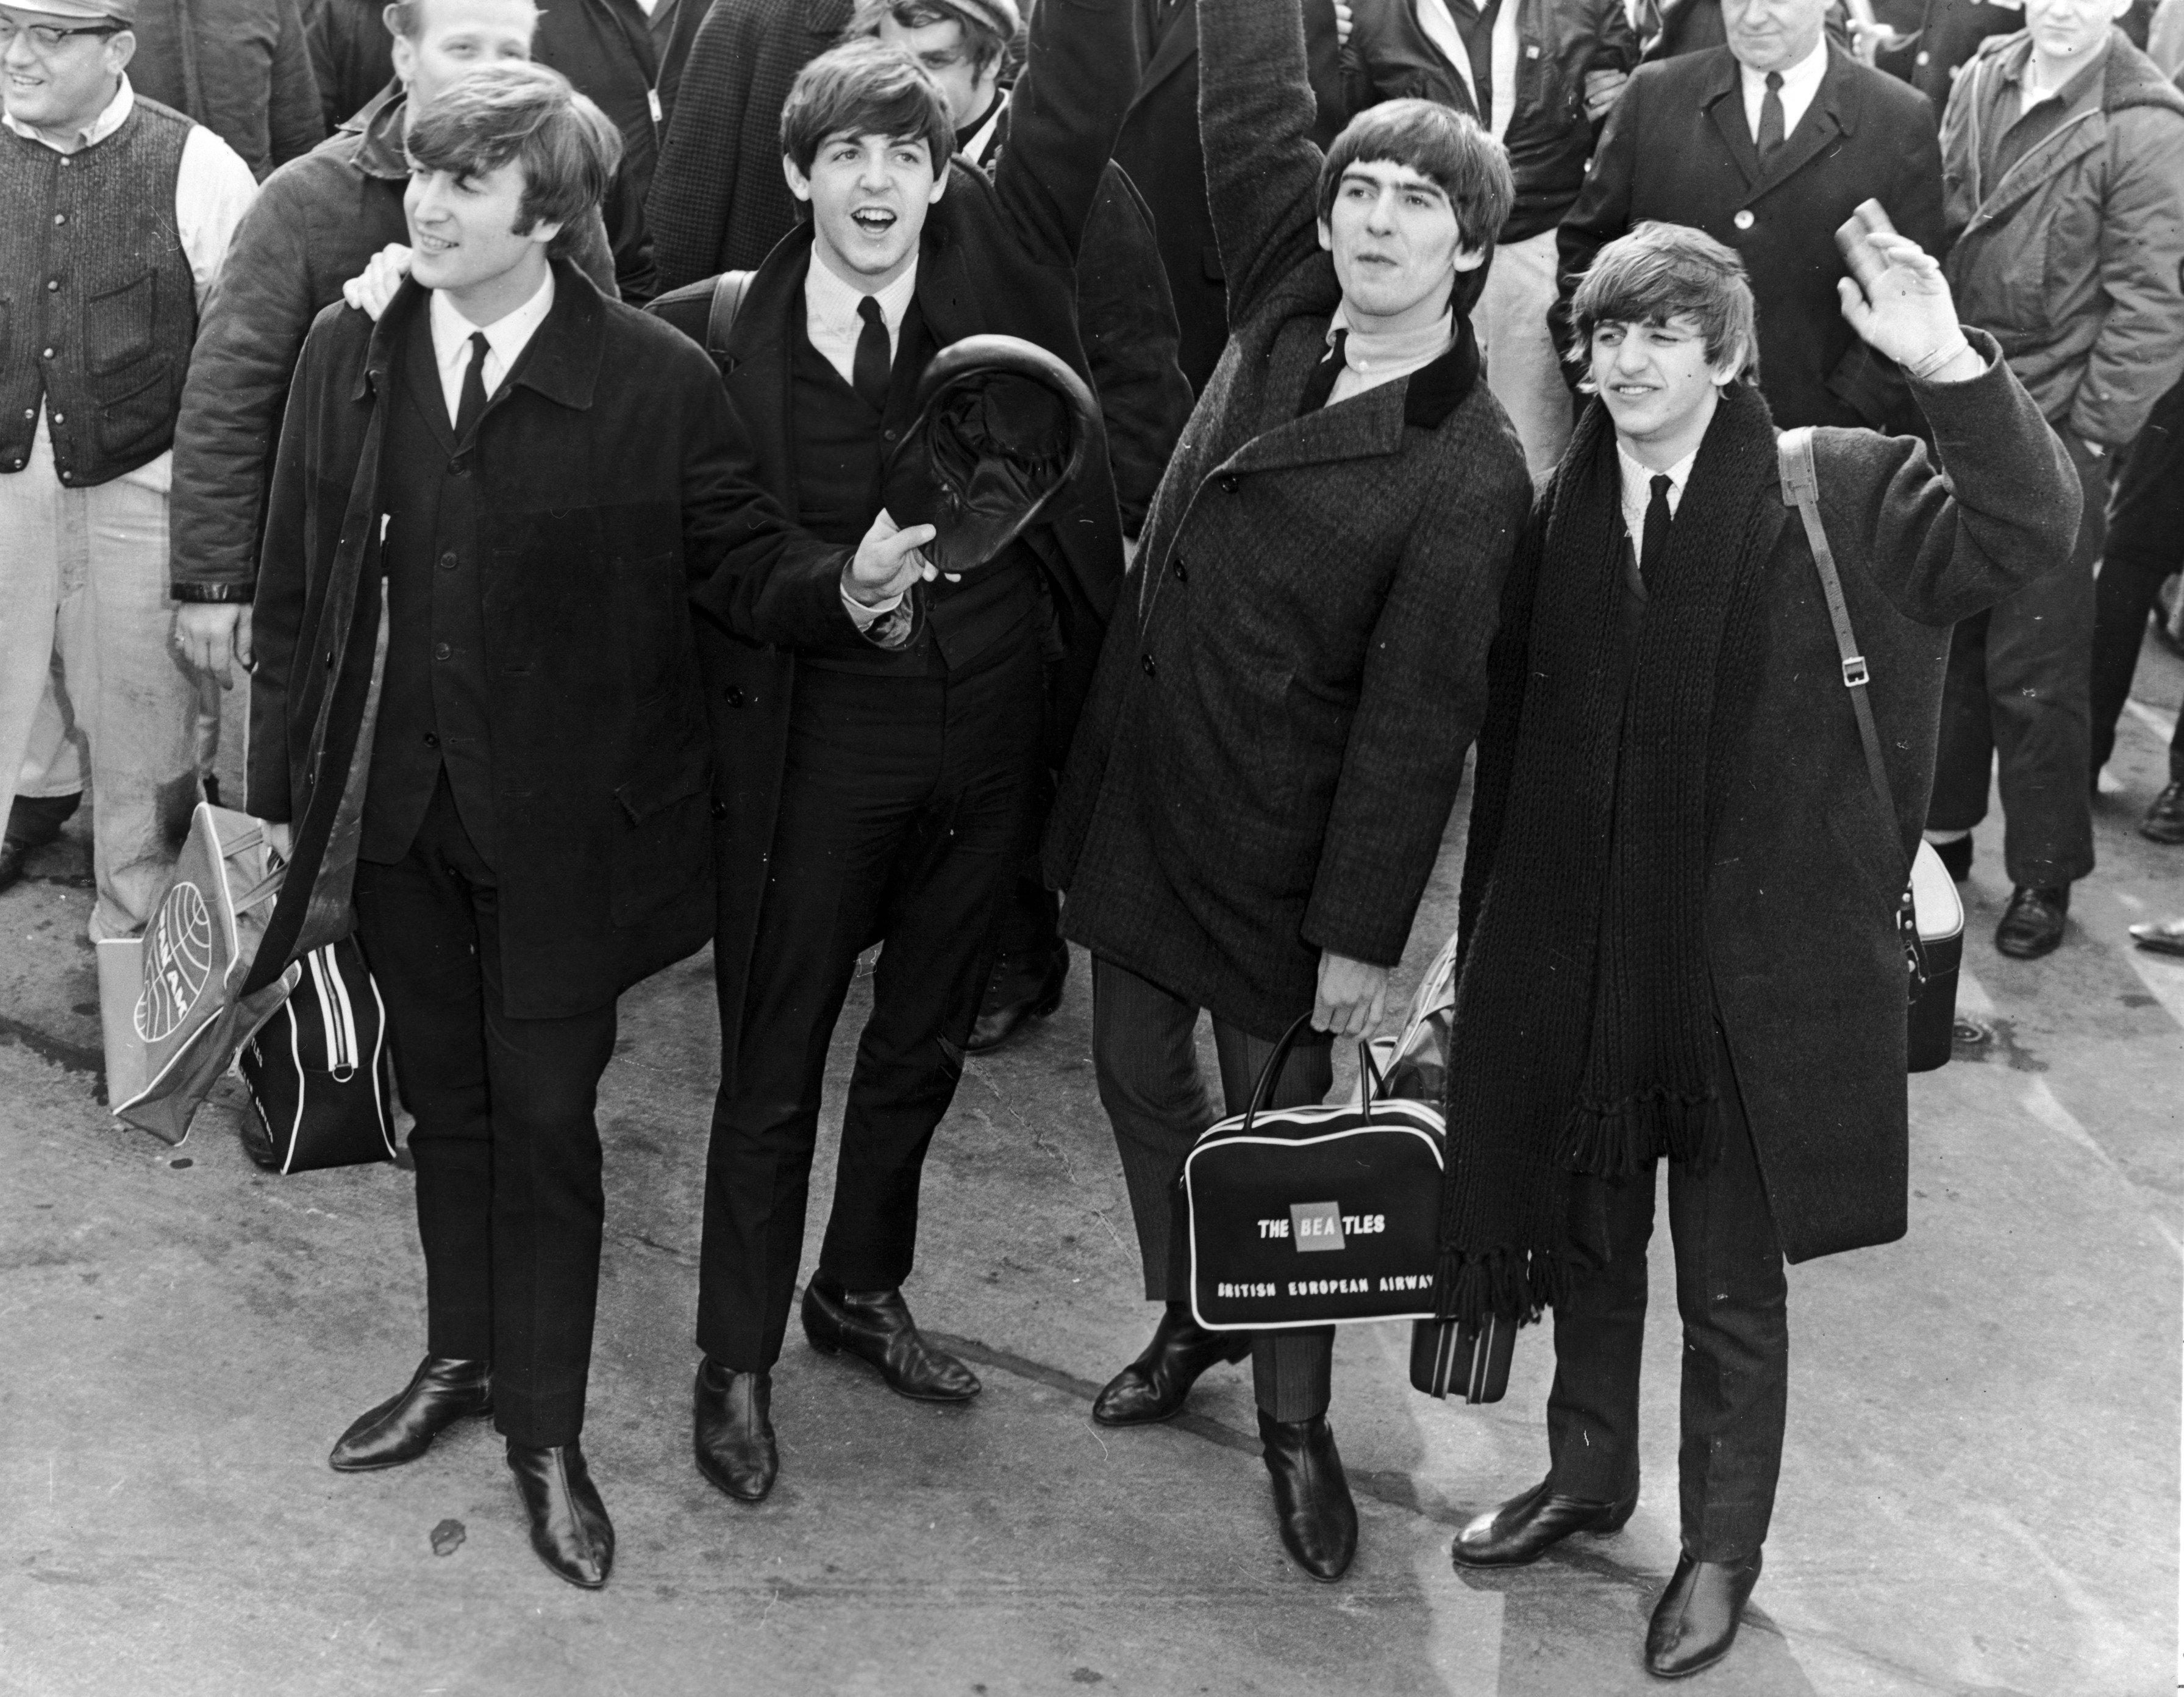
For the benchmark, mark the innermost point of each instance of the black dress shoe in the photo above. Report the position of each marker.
(1524, 1528)
(1956, 857)
(876, 1326)
(1155, 1387)
(2032, 924)
(732, 1431)
(33, 821)
(1696, 1620)
(569, 1524)
(2164, 820)
(1027, 986)
(442, 1391)
(1311, 1497)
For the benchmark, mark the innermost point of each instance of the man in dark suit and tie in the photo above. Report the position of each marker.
(881, 736)
(1766, 144)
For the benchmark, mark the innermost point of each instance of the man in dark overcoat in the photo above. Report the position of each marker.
(527, 468)
(881, 738)
(1257, 796)
(1159, 146)
(1767, 143)
(1679, 911)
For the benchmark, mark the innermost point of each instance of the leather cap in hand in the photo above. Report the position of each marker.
(1001, 426)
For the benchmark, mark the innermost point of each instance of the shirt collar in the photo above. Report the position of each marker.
(114, 115)
(829, 301)
(507, 336)
(2021, 61)
(975, 143)
(1638, 476)
(1369, 353)
(1801, 79)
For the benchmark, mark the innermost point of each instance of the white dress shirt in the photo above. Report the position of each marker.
(213, 189)
(1638, 490)
(1370, 358)
(832, 322)
(1800, 83)
(830, 313)
(1440, 24)
(505, 339)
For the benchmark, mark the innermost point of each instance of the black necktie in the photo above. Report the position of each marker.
(1321, 383)
(1657, 529)
(874, 356)
(1770, 117)
(472, 400)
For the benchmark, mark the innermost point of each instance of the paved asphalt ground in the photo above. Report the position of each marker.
(1980, 1496)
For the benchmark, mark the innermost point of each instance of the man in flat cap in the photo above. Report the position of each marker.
(115, 214)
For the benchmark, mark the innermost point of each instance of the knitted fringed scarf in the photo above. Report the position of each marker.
(1583, 1035)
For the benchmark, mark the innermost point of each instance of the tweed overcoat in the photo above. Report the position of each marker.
(1276, 735)
(1677, 148)
(1804, 872)
(995, 256)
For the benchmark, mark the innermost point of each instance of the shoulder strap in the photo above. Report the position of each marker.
(729, 289)
(1801, 489)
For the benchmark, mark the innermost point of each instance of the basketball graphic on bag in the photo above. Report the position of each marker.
(177, 959)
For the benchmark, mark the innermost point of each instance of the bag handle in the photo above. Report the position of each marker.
(1272, 1068)
(1801, 489)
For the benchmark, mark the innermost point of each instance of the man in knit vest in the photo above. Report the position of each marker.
(115, 214)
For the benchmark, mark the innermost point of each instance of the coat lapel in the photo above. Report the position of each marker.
(1832, 113)
(1360, 428)
(2078, 136)
(1175, 50)
(1723, 103)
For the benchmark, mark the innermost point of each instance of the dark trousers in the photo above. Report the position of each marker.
(509, 1203)
(905, 805)
(2017, 687)
(2145, 545)
(1733, 1297)
(1144, 1054)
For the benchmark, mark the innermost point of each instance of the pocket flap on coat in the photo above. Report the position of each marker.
(667, 773)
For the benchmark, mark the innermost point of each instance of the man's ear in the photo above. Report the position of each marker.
(404, 51)
(543, 231)
(1469, 259)
(1326, 236)
(121, 48)
(799, 184)
(939, 185)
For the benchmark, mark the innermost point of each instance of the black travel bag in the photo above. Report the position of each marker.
(320, 1076)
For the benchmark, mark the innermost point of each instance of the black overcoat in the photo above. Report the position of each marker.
(1803, 873)
(1276, 736)
(1677, 148)
(995, 256)
(603, 461)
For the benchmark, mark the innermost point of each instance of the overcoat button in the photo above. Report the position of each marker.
(1229, 482)
(733, 694)
(1181, 576)
(448, 561)
(720, 809)
(432, 740)
(441, 650)
(1743, 221)
(1149, 667)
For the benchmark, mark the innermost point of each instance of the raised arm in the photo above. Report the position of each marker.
(1080, 72)
(1603, 211)
(1255, 112)
(691, 200)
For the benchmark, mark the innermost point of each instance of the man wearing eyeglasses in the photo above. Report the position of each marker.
(115, 214)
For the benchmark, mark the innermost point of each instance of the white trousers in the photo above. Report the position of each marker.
(1522, 369)
(86, 670)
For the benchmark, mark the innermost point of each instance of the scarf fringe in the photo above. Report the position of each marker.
(1617, 1140)
(1513, 1284)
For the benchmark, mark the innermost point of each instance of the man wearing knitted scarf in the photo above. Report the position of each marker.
(1678, 906)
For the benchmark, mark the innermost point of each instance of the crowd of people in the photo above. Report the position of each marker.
(515, 398)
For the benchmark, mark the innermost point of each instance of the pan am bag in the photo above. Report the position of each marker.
(319, 1077)
(1315, 1215)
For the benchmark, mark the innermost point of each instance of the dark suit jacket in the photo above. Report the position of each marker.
(1159, 146)
(604, 463)
(995, 256)
(718, 201)
(1677, 148)
(1280, 721)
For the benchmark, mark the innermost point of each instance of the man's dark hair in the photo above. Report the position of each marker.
(516, 110)
(864, 88)
(1439, 143)
(991, 27)
(1661, 271)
